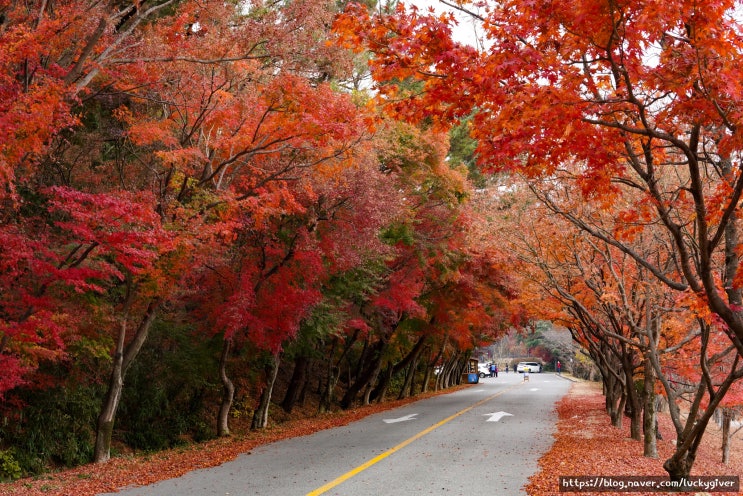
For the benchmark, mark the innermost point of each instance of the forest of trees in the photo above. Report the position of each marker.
(213, 210)
(200, 201)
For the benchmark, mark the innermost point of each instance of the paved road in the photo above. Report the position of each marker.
(485, 439)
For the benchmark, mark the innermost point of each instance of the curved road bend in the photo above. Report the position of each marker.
(485, 439)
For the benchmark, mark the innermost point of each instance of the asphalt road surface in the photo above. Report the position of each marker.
(482, 440)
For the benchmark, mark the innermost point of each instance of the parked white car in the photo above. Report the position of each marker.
(483, 369)
(534, 367)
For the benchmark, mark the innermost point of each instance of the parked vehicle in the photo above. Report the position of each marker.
(535, 367)
(483, 370)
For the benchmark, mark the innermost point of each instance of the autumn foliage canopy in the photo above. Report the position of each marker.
(206, 187)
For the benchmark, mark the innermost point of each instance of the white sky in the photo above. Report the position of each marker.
(465, 32)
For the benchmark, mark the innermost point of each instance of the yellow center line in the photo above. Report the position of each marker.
(379, 458)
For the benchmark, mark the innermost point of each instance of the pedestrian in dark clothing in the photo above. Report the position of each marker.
(495, 367)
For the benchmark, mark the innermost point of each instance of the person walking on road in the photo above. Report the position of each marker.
(559, 367)
(495, 370)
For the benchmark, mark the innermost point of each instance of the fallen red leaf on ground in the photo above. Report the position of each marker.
(587, 444)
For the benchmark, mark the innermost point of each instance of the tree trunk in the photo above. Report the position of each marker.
(106, 418)
(354, 372)
(690, 436)
(615, 399)
(408, 387)
(296, 383)
(444, 380)
(618, 415)
(327, 395)
(650, 416)
(124, 355)
(228, 392)
(454, 374)
(609, 382)
(260, 417)
(327, 387)
(679, 466)
(633, 398)
(379, 392)
(435, 363)
(382, 390)
(727, 418)
(427, 374)
(733, 290)
(636, 421)
(369, 373)
(409, 362)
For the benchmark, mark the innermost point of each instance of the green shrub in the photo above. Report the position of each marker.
(10, 469)
(163, 402)
(56, 428)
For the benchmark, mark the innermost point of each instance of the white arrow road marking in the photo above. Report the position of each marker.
(495, 417)
(400, 419)
(370, 463)
(534, 389)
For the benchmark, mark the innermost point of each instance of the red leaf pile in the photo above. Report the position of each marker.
(587, 444)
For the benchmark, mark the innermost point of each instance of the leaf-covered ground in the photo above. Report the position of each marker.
(585, 444)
